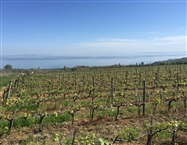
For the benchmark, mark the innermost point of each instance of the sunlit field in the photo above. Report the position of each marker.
(109, 105)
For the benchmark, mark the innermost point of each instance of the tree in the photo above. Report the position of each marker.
(64, 68)
(8, 67)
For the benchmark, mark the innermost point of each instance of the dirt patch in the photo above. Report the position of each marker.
(1, 95)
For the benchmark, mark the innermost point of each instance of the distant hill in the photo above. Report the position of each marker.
(172, 61)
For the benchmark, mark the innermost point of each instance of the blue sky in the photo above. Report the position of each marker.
(93, 28)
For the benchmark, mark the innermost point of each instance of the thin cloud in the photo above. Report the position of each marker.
(171, 40)
(118, 46)
(111, 43)
(123, 42)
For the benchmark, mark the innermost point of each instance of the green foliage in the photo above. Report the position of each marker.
(55, 93)
(129, 133)
(8, 67)
(3, 125)
(74, 69)
(104, 142)
(165, 135)
(56, 137)
(131, 110)
(4, 80)
(103, 113)
(64, 68)
(86, 140)
(57, 119)
(91, 139)
(31, 121)
(26, 122)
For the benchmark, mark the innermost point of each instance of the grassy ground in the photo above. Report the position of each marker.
(4, 80)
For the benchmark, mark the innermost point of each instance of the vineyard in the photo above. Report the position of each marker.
(142, 105)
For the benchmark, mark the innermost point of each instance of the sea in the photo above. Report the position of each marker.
(47, 61)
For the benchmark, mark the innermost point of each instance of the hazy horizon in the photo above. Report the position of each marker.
(56, 61)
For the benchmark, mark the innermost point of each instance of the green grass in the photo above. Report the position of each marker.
(59, 119)
(32, 121)
(26, 122)
(3, 124)
(104, 113)
(4, 80)
(131, 110)
(29, 107)
(164, 135)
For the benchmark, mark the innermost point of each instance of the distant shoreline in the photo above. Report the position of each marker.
(55, 57)
(56, 61)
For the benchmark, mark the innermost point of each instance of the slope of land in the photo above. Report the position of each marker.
(172, 61)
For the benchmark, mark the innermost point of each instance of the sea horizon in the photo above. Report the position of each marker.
(46, 61)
